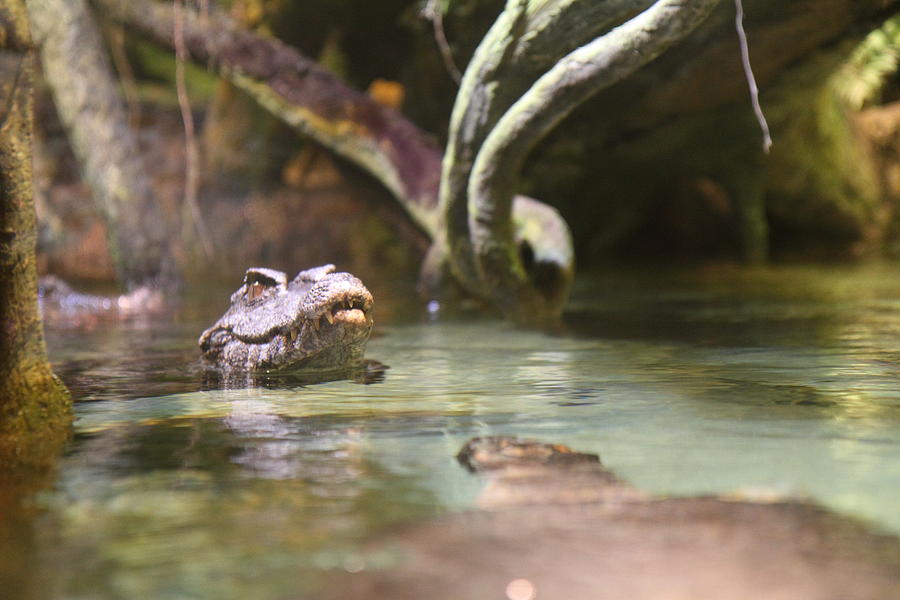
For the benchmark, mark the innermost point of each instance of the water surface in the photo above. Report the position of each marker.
(771, 381)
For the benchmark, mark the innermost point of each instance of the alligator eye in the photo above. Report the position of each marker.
(255, 290)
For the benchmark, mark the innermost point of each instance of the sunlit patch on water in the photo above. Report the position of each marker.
(781, 381)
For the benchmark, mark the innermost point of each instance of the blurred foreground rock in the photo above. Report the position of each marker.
(554, 523)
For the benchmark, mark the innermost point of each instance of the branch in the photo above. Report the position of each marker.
(192, 158)
(527, 39)
(432, 12)
(294, 88)
(575, 78)
(748, 72)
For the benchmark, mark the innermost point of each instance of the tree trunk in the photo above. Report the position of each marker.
(77, 69)
(34, 406)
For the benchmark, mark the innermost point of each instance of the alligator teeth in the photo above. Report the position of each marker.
(329, 316)
(316, 323)
(294, 334)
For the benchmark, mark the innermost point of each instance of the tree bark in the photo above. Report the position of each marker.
(77, 69)
(34, 406)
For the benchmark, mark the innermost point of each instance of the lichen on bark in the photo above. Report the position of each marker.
(35, 410)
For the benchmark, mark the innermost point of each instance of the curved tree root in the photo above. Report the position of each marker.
(484, 247)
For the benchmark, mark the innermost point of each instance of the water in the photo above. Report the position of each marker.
(782, 380)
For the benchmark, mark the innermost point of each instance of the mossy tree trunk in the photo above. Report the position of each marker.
(77, 69)
(35, 410)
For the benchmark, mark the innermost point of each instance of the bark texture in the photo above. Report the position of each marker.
(34, 405)
(77, 68)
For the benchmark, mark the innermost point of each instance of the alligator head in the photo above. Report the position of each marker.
(320, 320)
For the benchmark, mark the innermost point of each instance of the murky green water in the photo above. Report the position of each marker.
(782, 380)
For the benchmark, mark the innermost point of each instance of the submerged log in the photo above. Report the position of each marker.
(34, 406)
(555, 523)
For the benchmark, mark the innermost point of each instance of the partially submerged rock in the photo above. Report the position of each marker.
(560, 525)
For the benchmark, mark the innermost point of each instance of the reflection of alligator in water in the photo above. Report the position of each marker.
(61, 305)
(319, 321)
(556, 524)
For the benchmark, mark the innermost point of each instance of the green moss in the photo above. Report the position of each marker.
(158, 84)
(34, 406)
(862, 79)
(821, 175)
